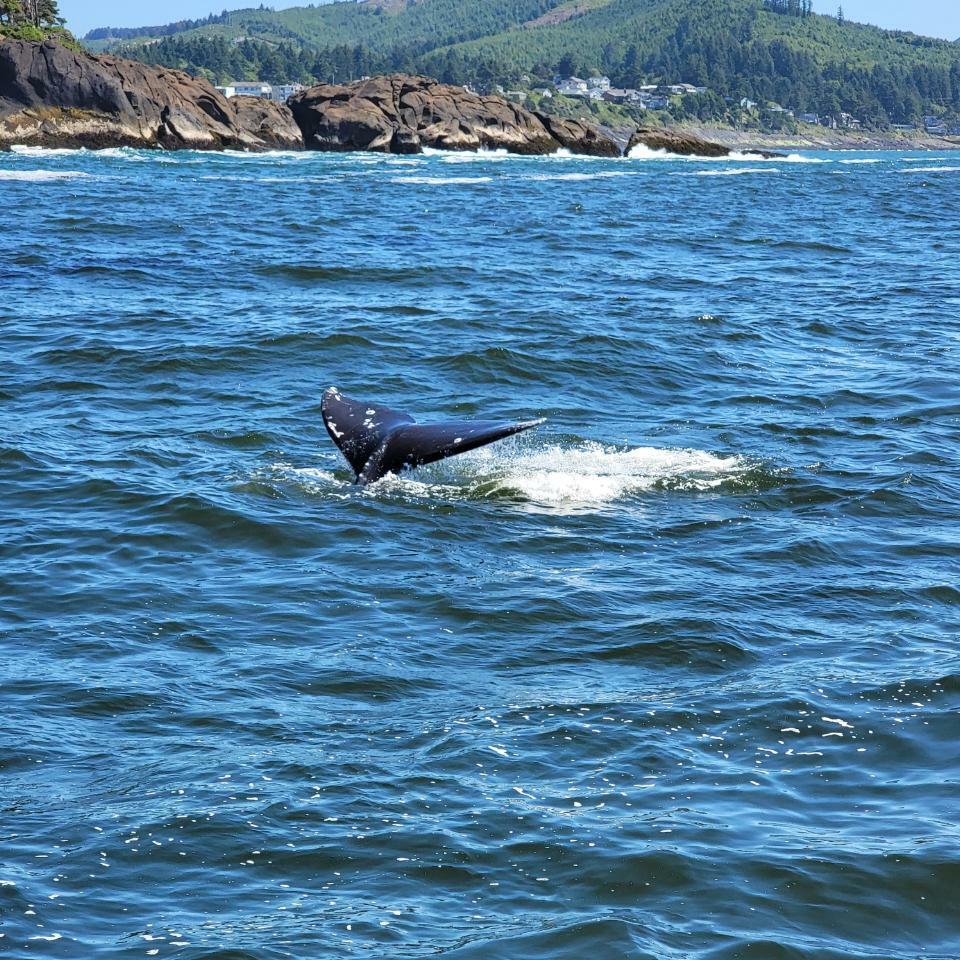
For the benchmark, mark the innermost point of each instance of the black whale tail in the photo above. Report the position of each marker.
(377, 440)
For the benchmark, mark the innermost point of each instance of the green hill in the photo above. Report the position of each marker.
(769, 51)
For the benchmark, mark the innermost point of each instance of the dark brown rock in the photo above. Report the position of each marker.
(578, 136)
(676, 141)
(270, 122)
(53, 96)
(685, 144)
(404, 114)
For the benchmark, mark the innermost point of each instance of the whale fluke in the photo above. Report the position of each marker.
(377, 440)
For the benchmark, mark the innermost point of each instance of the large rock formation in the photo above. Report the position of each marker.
(404, 114)
(52, 96)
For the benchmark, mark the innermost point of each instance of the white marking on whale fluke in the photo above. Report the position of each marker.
(333, 429)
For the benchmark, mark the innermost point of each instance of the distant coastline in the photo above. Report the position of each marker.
(825, 140)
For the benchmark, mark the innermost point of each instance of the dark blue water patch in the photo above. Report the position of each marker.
(675, 676)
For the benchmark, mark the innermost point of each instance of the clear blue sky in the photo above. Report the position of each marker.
(936, 18)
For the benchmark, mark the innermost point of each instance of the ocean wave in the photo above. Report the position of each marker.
(442, 180)
(578, 176)
(859, 160)
(735, 171)
(266, 154)
(30, 151)
(42, 176)
(642, 152)
(466, 156)
(930, 170)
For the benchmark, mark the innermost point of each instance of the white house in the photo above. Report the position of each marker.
(250, 88)
(282, 92)
(572, 87)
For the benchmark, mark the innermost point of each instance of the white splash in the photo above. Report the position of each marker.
(466, 156)
(30, 151)
(858, 160)
(587, 475)
(733, 171)
(41, 176)
(642, 152)
(593, 473)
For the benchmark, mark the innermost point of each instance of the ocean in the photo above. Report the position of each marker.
(673, 676)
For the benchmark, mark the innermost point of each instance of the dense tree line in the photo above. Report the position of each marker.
(792, 8)
(735, 48)
(38, 14)
(165, 30)
(221, 60)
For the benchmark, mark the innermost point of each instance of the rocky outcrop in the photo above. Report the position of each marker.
(674, 141)
(270, 122)
(684, 144)
(578, 136)
(404, 114)
(53, 96)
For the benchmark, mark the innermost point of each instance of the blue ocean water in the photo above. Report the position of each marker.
(675, 676)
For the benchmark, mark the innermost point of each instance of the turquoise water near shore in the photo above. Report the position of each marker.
(674, 676)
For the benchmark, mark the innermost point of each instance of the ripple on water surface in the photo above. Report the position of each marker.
(673, 676)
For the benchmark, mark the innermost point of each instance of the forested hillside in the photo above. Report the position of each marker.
(769, 51)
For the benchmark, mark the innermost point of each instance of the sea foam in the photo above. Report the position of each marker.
(42, 176)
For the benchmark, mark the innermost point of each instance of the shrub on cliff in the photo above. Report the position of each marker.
(33, 20)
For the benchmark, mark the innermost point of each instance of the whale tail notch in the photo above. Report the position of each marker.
(377, 440)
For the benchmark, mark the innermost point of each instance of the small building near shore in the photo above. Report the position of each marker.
(281, 92)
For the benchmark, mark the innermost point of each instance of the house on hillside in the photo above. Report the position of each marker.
(282, 92)
(623, 95)
(572, 87)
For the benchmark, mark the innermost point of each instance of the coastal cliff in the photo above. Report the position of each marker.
(55, 96)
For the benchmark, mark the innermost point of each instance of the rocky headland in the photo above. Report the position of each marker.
(405, 114)
(54, 96)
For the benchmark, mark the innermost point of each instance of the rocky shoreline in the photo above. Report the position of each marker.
(744, 140)
(53, 96)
